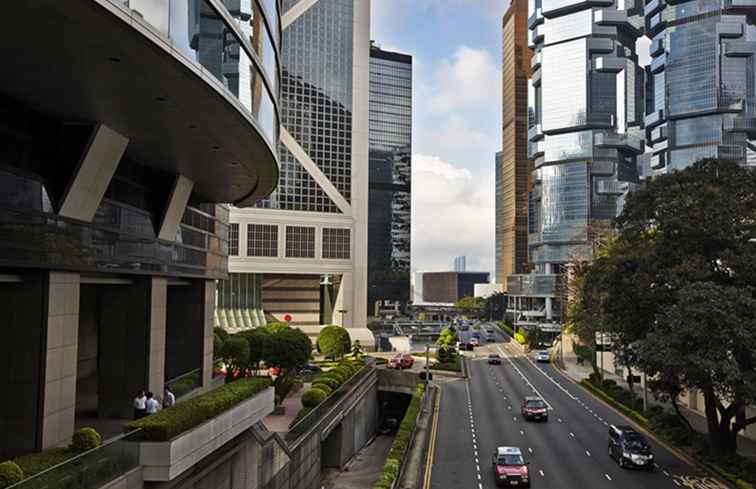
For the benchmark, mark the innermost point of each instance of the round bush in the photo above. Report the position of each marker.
(85, 439)
(323, 387)
(334, 341)
(345, 372)
(10, 473)
(313, 397)
(329, 381)
(335, 374)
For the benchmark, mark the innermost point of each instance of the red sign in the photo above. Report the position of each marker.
(287, 318)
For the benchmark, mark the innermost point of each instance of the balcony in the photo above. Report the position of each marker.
(542, 285)
(153, 79)
(609, 64)
(535, 61)
(535, 19)
(658, 64)
(623, 142)
(739, 49)
(536, 36)
(741, 124)
(535, 133)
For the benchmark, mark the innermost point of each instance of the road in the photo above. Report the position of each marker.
(569, 452)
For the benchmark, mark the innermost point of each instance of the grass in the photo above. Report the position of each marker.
(453, 366)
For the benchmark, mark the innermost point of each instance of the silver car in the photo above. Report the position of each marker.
(542, 356)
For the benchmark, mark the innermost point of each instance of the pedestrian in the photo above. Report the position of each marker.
(140, 405)
(168, 398)
(152, 405)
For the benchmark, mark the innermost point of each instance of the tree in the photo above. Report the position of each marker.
(678, 283)
(235, 354)
(473, 306)
(258, 339)
(447, 337)
(334, 341)
(287, 348)
(707, 342)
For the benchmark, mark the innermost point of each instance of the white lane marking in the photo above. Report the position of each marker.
(676, 483)
(572, 434)
(588, 453)
(551, 379)
(559, 419)
(607, 477)
(666, 473)
(480, 486)
(522, 433)
(532, 387)
(476, 460)
(478, 474)
(541, 472)
(530, 450)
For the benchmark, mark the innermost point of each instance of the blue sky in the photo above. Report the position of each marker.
(457, 114)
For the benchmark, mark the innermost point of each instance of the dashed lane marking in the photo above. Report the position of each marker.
(541, 472)
(588, 453)
(572, 434)
(608, 477)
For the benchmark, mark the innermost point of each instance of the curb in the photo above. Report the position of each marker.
(672, 449)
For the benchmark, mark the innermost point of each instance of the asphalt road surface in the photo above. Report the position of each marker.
(570, 451)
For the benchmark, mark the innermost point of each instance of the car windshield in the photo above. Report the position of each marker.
(536, 404)
(634, 440)
(493, 355)
(510, 460)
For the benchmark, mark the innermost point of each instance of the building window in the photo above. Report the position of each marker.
(336, 243)
(233, 239)
(300, 242)
(262, 240)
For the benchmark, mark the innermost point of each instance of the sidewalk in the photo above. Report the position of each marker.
(293, 404)
(363, 470)
(746, 446)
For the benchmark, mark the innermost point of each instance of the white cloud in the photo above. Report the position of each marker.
(469, 79)
(452, 134)
(452, 213)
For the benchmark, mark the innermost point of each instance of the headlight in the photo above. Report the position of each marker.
(627, 455)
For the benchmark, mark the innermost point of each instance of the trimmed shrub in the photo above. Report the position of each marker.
(10, 473)
(185, 415)
(313, 397)
(334, 341)
(323, 387)
(85, 439)
(34, 463)
(329, 381)
(335, 374)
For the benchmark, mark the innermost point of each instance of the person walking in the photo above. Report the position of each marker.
(140, 405)
(168, 398)
(152, 405)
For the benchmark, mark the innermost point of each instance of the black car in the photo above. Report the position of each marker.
(494, 359)
(309, 368)
(629, 448)
(388, 426)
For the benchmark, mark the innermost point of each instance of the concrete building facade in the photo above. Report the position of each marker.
(449, 287)
(309, 239)
(111, 233)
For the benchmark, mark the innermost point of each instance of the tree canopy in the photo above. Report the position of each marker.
(675, 289)
(471, 305)
(334, 341)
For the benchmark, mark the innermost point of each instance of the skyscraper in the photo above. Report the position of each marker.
(513, 168)
(460, 263)
(390, 177)
(309, 238)
(700, 89)
(585, 133)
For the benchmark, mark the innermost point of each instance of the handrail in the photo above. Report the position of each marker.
(71, 462)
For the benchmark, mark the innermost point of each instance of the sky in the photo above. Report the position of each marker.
(456, 49)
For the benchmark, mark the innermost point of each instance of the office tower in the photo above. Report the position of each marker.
(390, 178)
(513, 167)
(309, 238)
(700, 97)
(449, 287)
(460, 263)
(114, 162)
(585, 133)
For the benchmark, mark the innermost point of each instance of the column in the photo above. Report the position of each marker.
(59, 398)
(207, 342)
(158, 312)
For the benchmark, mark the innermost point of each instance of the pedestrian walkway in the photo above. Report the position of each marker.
(279, 423)
(569, 365)
(364, 469)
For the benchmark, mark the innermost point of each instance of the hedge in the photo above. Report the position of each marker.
(453, 366)
(34, 463)
(169, 423)
(401, 442)
(630, 413)
(313, 397)
(10, 473)
(323, 387)
(508, 329)
(85, 439)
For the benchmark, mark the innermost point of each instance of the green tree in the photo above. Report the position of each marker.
(447, 337)
(258, 339)
(235, 354)
(286, 348)
(333, 341)
(472, 306)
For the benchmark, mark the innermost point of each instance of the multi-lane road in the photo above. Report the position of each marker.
(482, 412)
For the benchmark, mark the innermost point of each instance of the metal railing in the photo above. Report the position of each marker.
(90, 469)
(184, 383)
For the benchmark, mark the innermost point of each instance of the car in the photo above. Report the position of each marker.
(476, 335)
(464, 327)
(401, 361)
(309, 368)
(494, 359)
(510, 468)
(474, 341)
(388, 426)
(542, 356)
(490, 338)
(489, 330)
(629, 448)
(534, 408)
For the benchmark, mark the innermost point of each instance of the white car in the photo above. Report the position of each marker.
(542, 356)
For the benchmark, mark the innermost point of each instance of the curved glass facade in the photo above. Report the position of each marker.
(700, 93)
(236, 54)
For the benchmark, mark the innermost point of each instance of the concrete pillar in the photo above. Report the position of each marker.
(59, 398)
(174, 210)
(93, 174)
(344, 302)
(158, 312)
(207, 342)
(548, 308)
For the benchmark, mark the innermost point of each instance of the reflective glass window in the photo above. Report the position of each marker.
(565, 71)
(697, 130)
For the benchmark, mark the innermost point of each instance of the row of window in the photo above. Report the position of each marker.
(262, 241)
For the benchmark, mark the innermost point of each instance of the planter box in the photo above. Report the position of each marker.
(164, 461)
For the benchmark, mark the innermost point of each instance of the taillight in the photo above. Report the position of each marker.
(524, 470)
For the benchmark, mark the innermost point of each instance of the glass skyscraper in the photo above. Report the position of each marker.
(700, 98)
(585, 133)
(390, 174)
